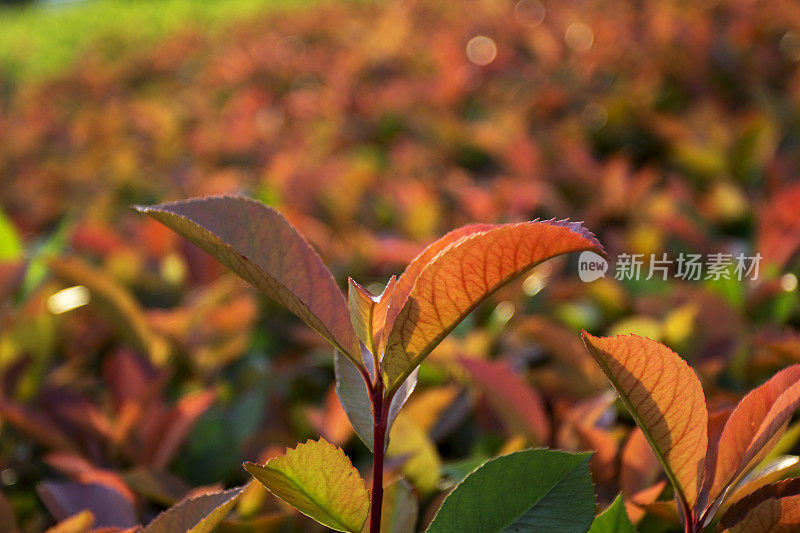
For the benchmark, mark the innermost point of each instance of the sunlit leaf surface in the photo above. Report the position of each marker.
(665, 397)
(318, 480)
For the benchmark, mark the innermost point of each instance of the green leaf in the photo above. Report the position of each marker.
(200, 514)
(10, 243)
(613, 520)
(317, 479)
(530, 490)
(257, 243)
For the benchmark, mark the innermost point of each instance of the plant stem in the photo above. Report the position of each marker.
(380, 415)
(691, 523)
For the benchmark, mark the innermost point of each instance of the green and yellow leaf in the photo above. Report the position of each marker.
(317, 479)
(368, 313)
(421, 462)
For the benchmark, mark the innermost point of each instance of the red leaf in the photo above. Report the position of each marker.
(754, 427)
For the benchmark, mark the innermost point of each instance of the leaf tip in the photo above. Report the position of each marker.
(578, 228)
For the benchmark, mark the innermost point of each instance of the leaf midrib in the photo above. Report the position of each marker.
(556, 484)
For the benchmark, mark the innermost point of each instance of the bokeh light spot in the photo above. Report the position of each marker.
(579, 37)
(529, 13)
(481, 50)
(594, 116)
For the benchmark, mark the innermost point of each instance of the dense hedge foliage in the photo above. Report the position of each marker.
(668, 127)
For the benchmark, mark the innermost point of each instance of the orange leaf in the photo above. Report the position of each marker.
(258, 244)
(464, 274)
(754, 427)
(409, 276)
(665, 398)
(772, 508)
(771, 471)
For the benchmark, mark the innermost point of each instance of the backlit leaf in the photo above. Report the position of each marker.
(613, 520)
(368, 313)
(754, 427)
(200, 514)
(362, 309)
(409, 276)
(772, 508)
(257, 243)
(463, 275)
(772, 471)
(665, 398)
(530, 490)
(380, 316)
(318, 480)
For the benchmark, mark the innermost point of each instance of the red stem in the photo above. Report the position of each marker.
(380, 415)
(692, 524)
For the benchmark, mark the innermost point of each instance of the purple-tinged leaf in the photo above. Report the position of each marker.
(258, 244)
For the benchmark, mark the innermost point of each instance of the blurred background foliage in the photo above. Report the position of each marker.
(132, 364)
